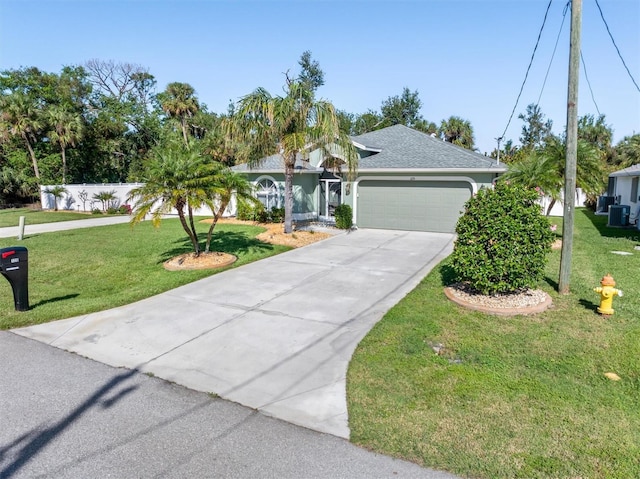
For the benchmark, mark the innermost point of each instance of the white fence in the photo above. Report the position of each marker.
(82, 198)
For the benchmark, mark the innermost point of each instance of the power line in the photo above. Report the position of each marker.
(528, 68)
(564, 15)
(584, 66)
(617, 49)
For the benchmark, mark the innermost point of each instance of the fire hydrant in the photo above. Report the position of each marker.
(607, 292)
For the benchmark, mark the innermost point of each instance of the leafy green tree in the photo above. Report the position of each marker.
(66, 129)
(403, 109)
(20, 117)
(180, 103)
(627, 152)
(368, 121)
(177, 177)
(503, 240)
(536, 129)
(457, 131)
(15, 186)
(291, 125)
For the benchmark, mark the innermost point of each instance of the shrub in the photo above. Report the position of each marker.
(96, 211)
(251, 212)
(344, 217)
(503, 240)
(276, 215)
(124, 209)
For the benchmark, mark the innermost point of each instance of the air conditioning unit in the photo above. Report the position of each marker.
(619, 215)
(604, 202)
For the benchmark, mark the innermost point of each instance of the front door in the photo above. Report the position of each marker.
(330, 197)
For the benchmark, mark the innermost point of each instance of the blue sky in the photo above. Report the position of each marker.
(465, 58)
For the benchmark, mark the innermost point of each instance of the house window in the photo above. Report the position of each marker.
(267, 193)
(634, 189)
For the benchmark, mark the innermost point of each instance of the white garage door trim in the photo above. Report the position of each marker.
(471, 181)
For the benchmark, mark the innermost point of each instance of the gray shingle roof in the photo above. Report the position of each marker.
(405, 148)
(631, 171)
(275, 163)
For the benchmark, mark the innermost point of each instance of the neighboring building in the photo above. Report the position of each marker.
(623, 188)
(406, 180)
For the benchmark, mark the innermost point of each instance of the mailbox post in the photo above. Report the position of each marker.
(14, 266)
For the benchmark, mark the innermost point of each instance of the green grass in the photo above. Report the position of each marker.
(11, 216)
(529, 398)
(85, 270)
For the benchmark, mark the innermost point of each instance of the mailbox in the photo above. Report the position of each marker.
(14, 266)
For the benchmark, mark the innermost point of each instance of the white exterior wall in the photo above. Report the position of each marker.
(558, 208)
(71, 200)
(623, 190)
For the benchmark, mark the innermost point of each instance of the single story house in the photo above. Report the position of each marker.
(623, 189)
(406, 180)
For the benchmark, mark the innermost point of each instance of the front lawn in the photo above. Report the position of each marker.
(11, 216)
(85, 270)
(510, 397)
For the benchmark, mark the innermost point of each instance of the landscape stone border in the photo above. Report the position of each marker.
(521, 310)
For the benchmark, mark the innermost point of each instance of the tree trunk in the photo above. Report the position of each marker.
(33, 157)
(289, 166)
(64, 166)
(216, 216)
(551, 205)
(183, 121)
(192, 235)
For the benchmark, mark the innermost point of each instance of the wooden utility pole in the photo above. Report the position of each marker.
(572, 148)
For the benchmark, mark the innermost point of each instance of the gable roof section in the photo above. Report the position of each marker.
(631, 171)
(275, 164)
(404, 148)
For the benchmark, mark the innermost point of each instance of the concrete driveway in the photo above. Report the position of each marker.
(275, 335)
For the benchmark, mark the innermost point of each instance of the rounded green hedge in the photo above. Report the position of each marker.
(503, 240)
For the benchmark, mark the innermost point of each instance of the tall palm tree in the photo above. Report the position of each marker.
(292, 125)
(66, 130)
(20, 117)
(457, 131)
(180, 178)
(179, 101)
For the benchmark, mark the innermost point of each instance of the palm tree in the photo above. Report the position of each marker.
(457, 131)
(180, 178)
(66, 130)
(228, 184)
(179, 101)
(57, 192)
(544, 168)
(20, 118)
(105, 197)
(291, 125)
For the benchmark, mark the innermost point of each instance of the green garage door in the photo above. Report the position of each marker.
(411, 205)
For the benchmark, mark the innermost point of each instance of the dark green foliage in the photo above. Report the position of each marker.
(257, 212)
(250, 212)
(503, 240)
(344, 217)
(276, 215)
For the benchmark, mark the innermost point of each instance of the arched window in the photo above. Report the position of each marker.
(267, 193)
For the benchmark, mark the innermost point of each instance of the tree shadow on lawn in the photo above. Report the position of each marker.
(231, 242)
(600, 223)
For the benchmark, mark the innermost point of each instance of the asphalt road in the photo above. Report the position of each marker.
(65, 416)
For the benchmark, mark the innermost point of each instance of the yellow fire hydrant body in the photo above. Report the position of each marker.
(607, 292)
